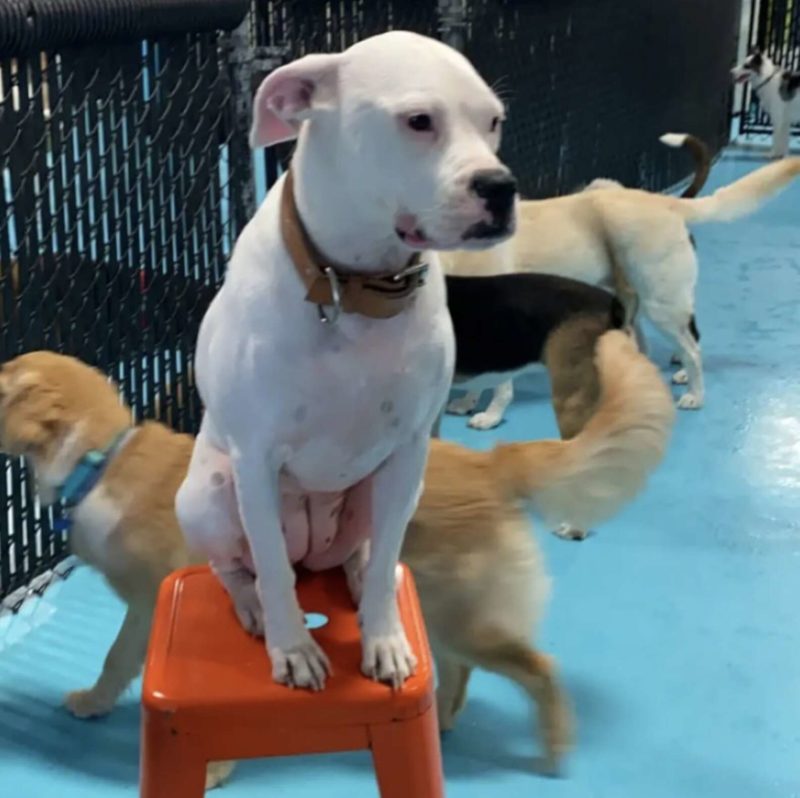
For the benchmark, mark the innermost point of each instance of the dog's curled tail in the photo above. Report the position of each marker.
(589, 478)
(699, 151)
(741, 197)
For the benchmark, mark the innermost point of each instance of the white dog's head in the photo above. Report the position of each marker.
(410, 124)
(756, 67)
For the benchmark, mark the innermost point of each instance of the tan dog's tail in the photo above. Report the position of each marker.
(587, 479)
(700, 153)
(741, 197)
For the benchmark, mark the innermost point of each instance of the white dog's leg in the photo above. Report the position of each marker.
(465, 404)
(781, 135)
(641, 338)
(396, 488)
(297, 660)
(493, 415)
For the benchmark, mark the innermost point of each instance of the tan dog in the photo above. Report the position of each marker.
(53, 410)
(634, 241)
(478, 570)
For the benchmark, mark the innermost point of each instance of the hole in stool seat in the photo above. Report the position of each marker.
(316, 620)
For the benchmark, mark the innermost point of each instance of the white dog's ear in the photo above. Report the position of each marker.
(291, 94)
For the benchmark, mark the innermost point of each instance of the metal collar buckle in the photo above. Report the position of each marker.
(336, 293)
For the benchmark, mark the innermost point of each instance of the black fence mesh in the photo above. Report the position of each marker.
(120, 199)
(591, 86)
(775, 29)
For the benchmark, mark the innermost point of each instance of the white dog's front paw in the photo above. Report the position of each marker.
(248, 609)
(569, 532)
(680, 377)
(302, 665)
(388, 658)
(463, 406)
(88, 704)
(690, 402)
(485, 420)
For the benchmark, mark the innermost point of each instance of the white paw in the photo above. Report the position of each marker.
(680, 377)
(248, 609)
(303, 665)
(485, 421)
(690, 402)
(88, 704)
(462, 406)
(217, 773)
(388, 658)
(569, 532)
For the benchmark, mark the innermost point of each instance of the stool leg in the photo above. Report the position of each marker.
(408, 759)
(171, 766)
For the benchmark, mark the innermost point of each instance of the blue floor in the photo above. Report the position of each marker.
(677, 626)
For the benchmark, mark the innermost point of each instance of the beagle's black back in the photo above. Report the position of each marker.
(502, 322)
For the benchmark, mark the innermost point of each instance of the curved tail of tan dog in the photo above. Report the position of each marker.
(741, 197)
(589, 478)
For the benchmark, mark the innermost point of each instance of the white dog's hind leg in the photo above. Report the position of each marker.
(209, 517)
(465, 404)
(691, 358)
(493, 415)
(396, 488)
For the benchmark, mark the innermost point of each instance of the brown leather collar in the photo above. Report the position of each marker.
(379, 296)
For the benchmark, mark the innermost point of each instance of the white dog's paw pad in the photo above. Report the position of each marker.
(303, 665)
(217, 773)
(87, 704)
(680, 377)
(485, 421)
(389, 659)
(690, 402)
(462, 406)
(569, 532)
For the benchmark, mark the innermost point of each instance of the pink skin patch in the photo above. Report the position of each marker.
(323, 530)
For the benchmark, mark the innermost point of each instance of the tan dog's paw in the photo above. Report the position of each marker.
(217, 773)
(388, 658)
(558, 738)
(568, 532)
(88, 704)
(302, 665)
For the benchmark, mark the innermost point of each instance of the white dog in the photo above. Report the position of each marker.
(778, 92)
(315, 434)
(637, 241)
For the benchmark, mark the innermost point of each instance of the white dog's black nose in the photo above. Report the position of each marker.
(497, 187)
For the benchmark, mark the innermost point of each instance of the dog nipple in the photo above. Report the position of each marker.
(387, 406)
(217, 479)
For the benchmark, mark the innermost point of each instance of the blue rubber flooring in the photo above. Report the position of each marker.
(676, 625)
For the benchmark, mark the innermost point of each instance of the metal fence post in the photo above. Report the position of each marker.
(453, 22)
(240, 58)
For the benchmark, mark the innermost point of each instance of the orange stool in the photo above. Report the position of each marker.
(208, 692)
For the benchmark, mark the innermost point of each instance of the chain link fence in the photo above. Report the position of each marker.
(125, 174)
(120, 199)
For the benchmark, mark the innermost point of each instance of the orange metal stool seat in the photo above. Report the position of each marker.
(208, 692)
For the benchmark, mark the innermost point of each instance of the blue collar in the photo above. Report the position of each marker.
(86, 474)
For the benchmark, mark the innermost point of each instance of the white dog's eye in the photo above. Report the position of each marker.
(421, 123)
(495, 124)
